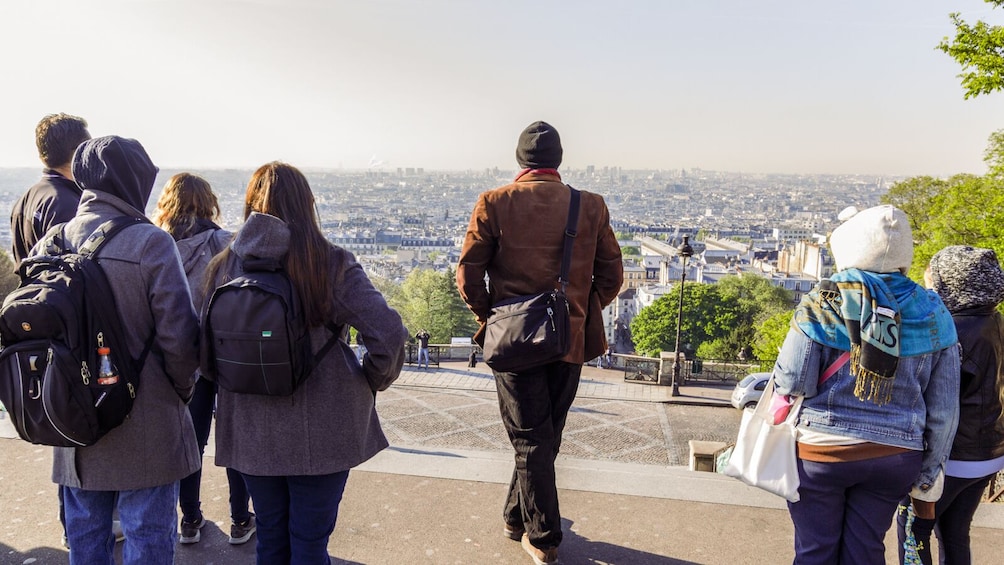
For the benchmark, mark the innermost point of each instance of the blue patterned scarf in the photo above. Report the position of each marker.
(878, 318)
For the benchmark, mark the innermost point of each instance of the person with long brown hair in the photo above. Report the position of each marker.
(296, 452)
(188, 210)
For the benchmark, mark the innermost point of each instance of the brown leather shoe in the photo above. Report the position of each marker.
(515, 533)
(540, 556)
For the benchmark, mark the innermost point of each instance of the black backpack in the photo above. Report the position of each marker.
(50, 329)
(255, 338)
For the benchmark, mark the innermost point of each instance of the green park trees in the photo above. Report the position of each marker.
(8, 278)
(429, 299)
(719, 320)
(979, 49)
(962, 210)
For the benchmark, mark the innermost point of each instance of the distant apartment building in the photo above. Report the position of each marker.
(634, 275)
(792, 233)
(805, 258)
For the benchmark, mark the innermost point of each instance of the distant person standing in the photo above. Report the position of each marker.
(971, 284)
(186, 209)
(472, 359)
(52, 200)
(423, 348)
(531, 213)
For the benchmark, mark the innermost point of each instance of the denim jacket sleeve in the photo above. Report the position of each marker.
(941, 399)
(796, 371)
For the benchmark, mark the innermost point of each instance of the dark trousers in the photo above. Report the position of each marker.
(201, 408)
(534, 404)
(845, 509)
(295, 516)
(953, 515)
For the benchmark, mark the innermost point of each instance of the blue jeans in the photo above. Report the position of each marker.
(295, 516)
(149, 520)
(423, 353)
(534, 405)
(844, 509)
(201, 408)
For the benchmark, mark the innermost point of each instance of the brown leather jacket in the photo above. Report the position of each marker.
(516, 234)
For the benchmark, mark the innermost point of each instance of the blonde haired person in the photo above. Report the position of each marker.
(188, 210)
(295, 452)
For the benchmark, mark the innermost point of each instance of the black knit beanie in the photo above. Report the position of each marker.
(539, 147)
(966, 277)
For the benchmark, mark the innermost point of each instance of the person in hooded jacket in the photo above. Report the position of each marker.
(295, 452)
(187, 209)
(137, 465)
(970, 281)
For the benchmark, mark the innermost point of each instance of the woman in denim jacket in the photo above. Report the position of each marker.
(882, 426)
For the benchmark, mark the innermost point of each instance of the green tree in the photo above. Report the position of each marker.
(914, 196)
(979, 49)
(707, 315)
(630, 250)
(970, 212)
(770, 335)
(8, 278)
(429, 299)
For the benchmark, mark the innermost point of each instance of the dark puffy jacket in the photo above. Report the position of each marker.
(981, 417)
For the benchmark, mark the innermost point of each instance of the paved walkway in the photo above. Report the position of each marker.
(427, 500)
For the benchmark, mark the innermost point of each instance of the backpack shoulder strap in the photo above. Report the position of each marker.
(105, 231)
(337, 333)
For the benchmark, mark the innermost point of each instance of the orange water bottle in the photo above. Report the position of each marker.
(108, 374)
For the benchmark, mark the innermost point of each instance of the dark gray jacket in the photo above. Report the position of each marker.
(330, 423)
(156, 445)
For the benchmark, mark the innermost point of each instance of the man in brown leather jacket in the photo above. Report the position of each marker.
(515, 236)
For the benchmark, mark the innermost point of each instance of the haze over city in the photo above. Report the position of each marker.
(774, 86)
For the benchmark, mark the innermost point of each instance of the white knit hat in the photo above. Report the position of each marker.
(877, 239)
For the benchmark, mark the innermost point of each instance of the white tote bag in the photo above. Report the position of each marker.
(764, 454)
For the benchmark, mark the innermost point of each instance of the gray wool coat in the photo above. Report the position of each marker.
(330, 423)
(156, 444)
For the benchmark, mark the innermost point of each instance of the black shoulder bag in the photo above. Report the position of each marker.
(529, 331)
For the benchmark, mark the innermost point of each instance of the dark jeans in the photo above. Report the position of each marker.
(534, 404)
(295, 516)
(845, 509)
(953, 515)
(201, 408)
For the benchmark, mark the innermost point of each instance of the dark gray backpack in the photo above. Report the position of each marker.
(255, 338)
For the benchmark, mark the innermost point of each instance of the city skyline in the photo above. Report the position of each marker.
(769, 87)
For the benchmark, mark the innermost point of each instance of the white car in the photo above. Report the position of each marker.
(747, 393)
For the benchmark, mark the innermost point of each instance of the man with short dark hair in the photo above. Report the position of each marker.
(531, 213)
(53, 200)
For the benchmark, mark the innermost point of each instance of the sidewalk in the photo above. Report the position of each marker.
(413, 504)
(594, 383)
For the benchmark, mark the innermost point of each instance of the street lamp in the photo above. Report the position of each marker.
(684, 251)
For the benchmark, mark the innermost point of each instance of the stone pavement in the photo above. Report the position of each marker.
(435, 496)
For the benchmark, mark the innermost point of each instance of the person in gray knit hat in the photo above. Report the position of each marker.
(970, 282)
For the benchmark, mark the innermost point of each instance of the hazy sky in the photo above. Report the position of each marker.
(854, 86)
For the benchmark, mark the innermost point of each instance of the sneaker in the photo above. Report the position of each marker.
(515, 533)
(190, 530)
(540, 556)
(117, 530)
(241, 532)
